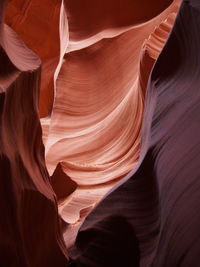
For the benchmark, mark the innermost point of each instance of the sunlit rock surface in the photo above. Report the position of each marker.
(95, 125)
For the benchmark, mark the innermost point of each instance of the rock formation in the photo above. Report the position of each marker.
(29, 226)
(112, 90)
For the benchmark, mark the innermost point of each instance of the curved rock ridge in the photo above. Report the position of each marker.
(95, 110)
(89, 18)
(42, 26)
(152, 48)
(29, 224)
(94, 129)
(151, 217)
(110, 32)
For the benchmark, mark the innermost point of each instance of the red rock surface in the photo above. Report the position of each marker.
(151, 218)
(94, 128)
(30, 232)
(37, 23)
(102, 63)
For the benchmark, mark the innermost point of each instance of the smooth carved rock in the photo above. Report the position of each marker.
(159, 200)
(29, 224)
(119, 108)
(95, 126)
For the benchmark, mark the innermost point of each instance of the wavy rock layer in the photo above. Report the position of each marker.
(94, 129)
(29, 224)
(151, 218)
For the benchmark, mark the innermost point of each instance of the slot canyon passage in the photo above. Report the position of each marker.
(100, 133)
